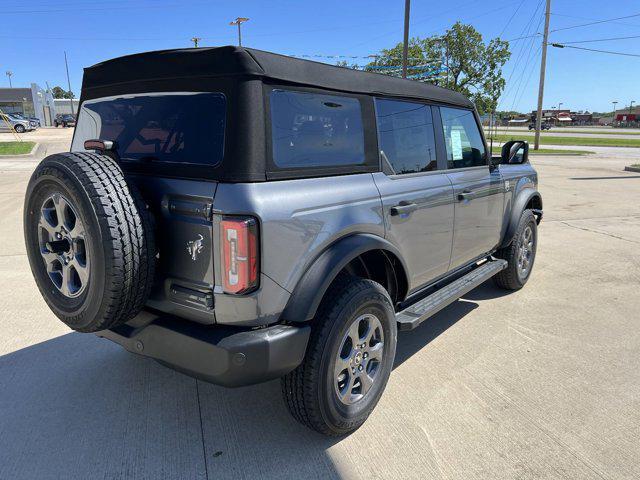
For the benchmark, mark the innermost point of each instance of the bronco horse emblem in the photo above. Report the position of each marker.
(194, 247)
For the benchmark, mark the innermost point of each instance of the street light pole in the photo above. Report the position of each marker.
(9, 74)
(615, 102)
(239, 21)
(69, 83)
(631, 106)
(543, 66)
(405, 46)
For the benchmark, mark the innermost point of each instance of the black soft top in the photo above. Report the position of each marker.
(191, 63)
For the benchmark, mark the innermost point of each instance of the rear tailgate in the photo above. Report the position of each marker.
(184, 276)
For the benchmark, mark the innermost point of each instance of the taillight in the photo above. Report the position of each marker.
(239, 253)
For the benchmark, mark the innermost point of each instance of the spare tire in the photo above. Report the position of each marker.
(89, 239)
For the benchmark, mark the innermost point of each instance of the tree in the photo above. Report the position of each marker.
(59, 92)
(343, 63)
(459, 60)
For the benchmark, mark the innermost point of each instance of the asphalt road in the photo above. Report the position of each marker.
(542, 383)
(584, 132)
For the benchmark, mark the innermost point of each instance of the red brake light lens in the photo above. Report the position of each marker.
(239, 254)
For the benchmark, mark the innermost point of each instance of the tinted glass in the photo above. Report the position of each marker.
(405, 136)
(173, 127)
(314, 130)
(462, 138)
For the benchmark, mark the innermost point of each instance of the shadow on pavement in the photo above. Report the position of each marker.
(80, 407)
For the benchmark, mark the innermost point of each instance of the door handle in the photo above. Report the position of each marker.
(465, 195)
(403, 208)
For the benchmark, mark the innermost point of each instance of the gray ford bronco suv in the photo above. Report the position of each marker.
(242, 216)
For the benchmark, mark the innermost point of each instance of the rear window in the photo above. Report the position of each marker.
(185, 128)
(315, 130)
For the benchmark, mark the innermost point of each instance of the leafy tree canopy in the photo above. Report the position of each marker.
(59, 92)
(459, 60)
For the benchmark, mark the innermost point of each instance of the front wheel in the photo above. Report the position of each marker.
(20, 128)
(520, 254)
(348, 361)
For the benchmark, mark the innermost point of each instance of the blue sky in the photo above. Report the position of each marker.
(36, 33)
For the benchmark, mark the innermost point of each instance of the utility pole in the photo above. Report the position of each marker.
(66, 64)
(239, 21)
(9, 74)
(405, 46)
(543, 67)
(195, 41)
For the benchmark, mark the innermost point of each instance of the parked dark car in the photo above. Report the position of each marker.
(64, 120)
(259, 217)
(543, 126)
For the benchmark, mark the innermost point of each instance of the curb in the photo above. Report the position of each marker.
(632, 169)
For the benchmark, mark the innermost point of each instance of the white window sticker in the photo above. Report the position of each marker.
(456, 145)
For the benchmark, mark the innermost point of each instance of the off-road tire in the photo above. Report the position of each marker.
(119, 239)
(308, 390)
(510, 278)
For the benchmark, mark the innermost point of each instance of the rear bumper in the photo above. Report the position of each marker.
(226, 356)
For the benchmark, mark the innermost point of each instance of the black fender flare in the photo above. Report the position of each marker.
(519, 205)
(313, 284)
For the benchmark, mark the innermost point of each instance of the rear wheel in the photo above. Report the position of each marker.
(520, 254)
(89, 239)
(348, 360)
(19, 128)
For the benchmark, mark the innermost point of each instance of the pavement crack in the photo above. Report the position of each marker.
(600, 232)
(204, 450)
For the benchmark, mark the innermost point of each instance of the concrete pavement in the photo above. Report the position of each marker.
(542, 383)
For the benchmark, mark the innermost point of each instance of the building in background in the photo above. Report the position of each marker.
(63, 105)
(33, 102)
(627, 117)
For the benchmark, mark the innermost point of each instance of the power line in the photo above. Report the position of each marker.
(511, 18)
(596, 23)
(561, 45)
(522, 38)
(602, 39)
(594, 19)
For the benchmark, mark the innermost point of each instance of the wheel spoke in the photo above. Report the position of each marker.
(77, 232)
(342, 364)
(345, 393)
(66, 278)
(365, 383)
(49, 258)
(354, 333)
(44, 224)
(82, 271)
(375, 352)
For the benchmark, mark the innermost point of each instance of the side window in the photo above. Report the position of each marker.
(315, 130)
(406, 136)
(462, 138)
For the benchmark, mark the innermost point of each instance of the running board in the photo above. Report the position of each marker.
(412, 316)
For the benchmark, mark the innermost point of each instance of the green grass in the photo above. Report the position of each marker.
(575, 141)
(637, 165)
(15, 148)
(548, 151)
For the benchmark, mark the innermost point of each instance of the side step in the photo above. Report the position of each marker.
(414, 315)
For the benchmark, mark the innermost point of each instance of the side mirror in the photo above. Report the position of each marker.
(515, 152)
